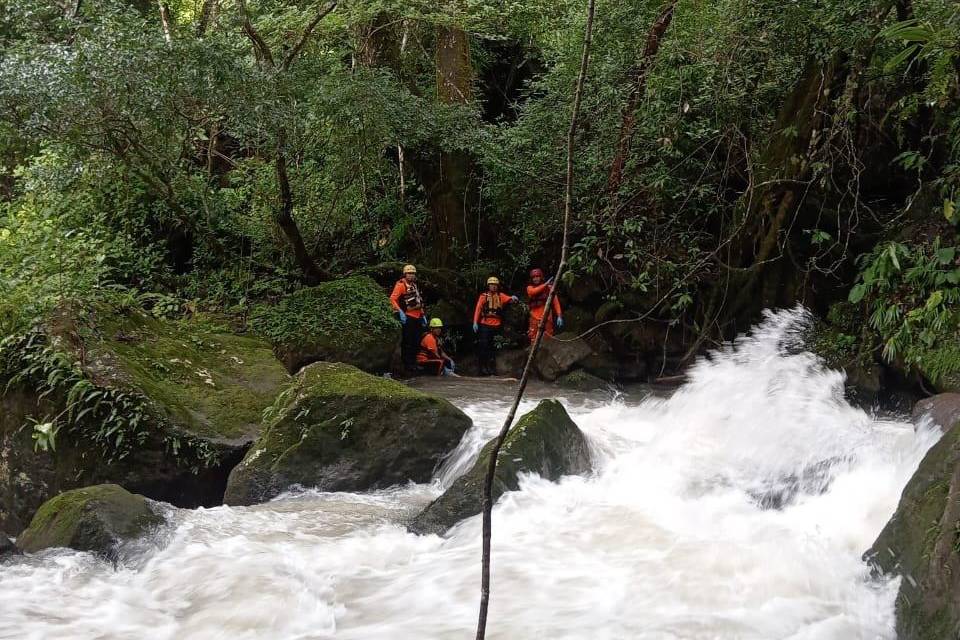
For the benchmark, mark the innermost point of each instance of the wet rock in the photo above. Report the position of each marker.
(559, 355)
(349, 320)
(340, 429)
(164, 408)
(96, 519)
(920, 544)
(580, 380)
(7, 547)
(814, 479)
(943, 410)
(545, 441)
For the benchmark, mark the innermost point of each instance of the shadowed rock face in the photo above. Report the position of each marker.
(95, 519)
(943, 410)
(339, 429)
(921, 544)
(189, 395)
(545, 441)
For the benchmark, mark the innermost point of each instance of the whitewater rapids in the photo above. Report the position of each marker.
(738, 508)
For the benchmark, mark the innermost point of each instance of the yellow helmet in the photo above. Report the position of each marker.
(409, 269)
(436, 323)
(493, 280)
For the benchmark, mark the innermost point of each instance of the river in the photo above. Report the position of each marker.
(736, 508)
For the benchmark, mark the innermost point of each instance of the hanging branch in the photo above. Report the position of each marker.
(487, 500)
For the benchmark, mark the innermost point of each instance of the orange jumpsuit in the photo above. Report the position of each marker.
(537, 299)
(431, 357)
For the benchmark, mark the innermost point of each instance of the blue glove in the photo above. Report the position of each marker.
(423, 320)
(514, 299)
(559, 324)
(476, 327)
(403, 317)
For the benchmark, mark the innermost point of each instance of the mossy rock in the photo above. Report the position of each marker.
(165, 408)
(920, 543)
(545, 441)
(580, 380)
(340, 429)
(348, 320)
(96, 519)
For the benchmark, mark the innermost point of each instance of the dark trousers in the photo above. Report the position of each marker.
(487, 349)
(411, 333)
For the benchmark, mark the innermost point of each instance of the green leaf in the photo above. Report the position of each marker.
(946, 255)
(896, 61)
(935, 299)
(857, 293)
(950, 210)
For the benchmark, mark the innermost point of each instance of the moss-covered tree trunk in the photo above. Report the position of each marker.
(809, 178)
(449, 189)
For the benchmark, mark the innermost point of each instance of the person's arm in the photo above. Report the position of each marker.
(557, 311)
(535, 290)
(478, 309)
(505, 299)
(398, 291)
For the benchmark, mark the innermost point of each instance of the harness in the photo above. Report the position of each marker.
(411, 299)
(489, 310)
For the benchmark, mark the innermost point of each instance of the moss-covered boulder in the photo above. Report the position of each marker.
(96, 519)
(340, 429)
(165, 408)
(348, 320)
(580, 380)
(920, 544)
(545, 441)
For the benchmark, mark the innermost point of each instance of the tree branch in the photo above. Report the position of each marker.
(260, 48)
(292, 55)
(487, 502)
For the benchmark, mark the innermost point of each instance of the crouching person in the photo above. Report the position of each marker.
(431, 358)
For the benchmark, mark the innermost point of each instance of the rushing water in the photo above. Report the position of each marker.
(737, 508)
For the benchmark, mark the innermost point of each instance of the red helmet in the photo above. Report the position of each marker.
(536, 273)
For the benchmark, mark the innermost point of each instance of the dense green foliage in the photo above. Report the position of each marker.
(178, 165)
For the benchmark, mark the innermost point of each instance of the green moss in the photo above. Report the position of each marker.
(207, 382)
(334, 310)
(89, 519)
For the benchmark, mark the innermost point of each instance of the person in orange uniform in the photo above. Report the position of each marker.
(488, 323)
(410, 310)
(537, 292)
(431, 357)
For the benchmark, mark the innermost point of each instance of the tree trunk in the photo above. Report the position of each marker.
(208, 16)
(284, 218)
(638, 77)
(449, 191)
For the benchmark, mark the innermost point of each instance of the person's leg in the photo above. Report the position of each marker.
(532, 327)
(484, 349)
(411, 343)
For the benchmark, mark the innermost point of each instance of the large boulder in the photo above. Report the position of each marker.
(340, 429)
(545, 441)
(580, 380)
(943, 410)
(920, 544)
(349, 320)
(164, 408)
(560, 354)
(96, 519)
